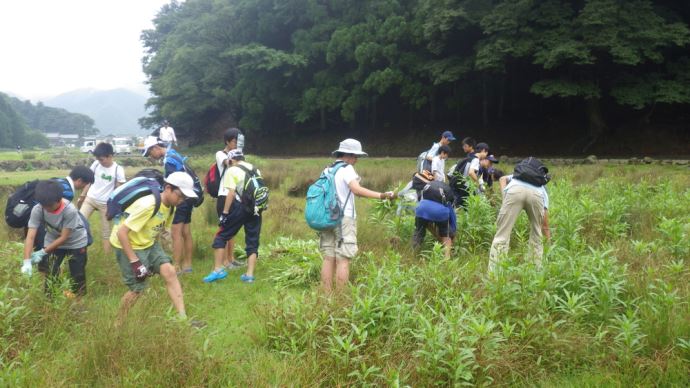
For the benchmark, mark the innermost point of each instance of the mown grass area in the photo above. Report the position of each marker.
(42, 154)
(609, 307)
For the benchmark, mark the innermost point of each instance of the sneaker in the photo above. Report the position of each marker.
(235, 265)
(246, 278)
(215, 275)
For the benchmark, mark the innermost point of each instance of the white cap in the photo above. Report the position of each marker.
(184, 182)
(351, 146)
(234, 154)
(151, 141)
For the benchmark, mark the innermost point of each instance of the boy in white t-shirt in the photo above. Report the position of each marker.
(438, 163)
(107, 176)
(231, 138)
(339, 246)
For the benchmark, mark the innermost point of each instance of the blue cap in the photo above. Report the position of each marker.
(448, 135)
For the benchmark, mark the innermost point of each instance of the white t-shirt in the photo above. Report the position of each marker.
(433, 150)
(167, 134)
(220, 157)
(438, 168)
(471, 166)
(104, 181)
(343, 177)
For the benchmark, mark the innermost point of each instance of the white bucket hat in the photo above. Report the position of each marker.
(184, 182)
(351, 146)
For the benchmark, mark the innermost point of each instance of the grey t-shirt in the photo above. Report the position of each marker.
(54, 223)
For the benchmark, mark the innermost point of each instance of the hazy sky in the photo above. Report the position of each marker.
(48, 47)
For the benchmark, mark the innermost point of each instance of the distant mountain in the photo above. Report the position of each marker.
(114, 111)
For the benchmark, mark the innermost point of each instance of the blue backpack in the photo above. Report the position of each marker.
(323, 212)
(122, 197)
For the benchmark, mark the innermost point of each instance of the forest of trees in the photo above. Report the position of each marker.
(561, 69)
(49, 119)
(23, 123)
(13, 128)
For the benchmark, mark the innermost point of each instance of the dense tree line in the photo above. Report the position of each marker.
(13, 128)
(304, 65)
(49, 119)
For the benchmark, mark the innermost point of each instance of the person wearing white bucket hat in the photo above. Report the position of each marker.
(339, 245)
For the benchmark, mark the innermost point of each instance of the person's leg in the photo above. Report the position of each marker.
(172, 284)
(252, 234)
(327, 248)
(443, 236)
(419, 232)
(87, 207)
(126, 303)
(342, 274)
(105, 228)
(534, 207)
(77, 270)
(54, 262)
(229, 257)
(507, 216)
(225, 232)
(346, 249)
(177, 243)
(188, 246)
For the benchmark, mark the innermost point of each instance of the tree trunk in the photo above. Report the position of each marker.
(485, 104)
(596, 125)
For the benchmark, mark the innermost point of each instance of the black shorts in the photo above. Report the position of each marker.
(238, 218)
(183, 213)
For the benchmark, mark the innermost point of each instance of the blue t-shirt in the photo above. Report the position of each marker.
(173, 162)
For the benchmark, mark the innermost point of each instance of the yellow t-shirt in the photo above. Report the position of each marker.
(234, 177)
(143, 228)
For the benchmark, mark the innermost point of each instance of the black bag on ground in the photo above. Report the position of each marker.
(19, 205)
(438, 191)
(532, 171)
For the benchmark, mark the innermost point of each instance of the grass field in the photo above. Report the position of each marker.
(608, 308)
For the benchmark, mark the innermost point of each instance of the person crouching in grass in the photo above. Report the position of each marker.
(138, 253)
(66, 238)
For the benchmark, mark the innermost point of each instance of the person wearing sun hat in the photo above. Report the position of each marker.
(339, 246)
(138, 253)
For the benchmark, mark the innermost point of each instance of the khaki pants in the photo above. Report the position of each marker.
(88, 207)
(517, 199)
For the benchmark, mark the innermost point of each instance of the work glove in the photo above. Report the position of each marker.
(26, 267)
(223, 219)
(37, 256)
(140, 271)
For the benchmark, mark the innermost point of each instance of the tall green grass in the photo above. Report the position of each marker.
(608, 307)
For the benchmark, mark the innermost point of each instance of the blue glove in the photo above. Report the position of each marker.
(37, 256)
(26, 267)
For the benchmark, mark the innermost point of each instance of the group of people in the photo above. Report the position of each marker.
(58, 228)
(439, 192)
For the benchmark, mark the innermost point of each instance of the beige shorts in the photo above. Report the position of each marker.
(331, 244)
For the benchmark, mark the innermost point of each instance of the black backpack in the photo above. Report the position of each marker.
(532, 171)
(255, 193)
(152, 173)
(438, 191)
(456, 178)
(19, 205)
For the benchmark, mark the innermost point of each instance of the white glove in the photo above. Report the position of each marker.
(37, 256)
(26, 267)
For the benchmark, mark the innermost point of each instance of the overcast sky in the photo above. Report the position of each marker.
(49, 47)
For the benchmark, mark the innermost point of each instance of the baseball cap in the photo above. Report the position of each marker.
(481, 147)
(448, 135)
(184, 182)
(151, 141)
(492, 158)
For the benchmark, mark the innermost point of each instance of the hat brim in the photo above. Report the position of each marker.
(360, 153)
(189, 193)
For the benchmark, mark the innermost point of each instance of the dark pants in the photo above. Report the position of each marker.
(239, 217)
(183, 213)
(440, 229)
(76, 259)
